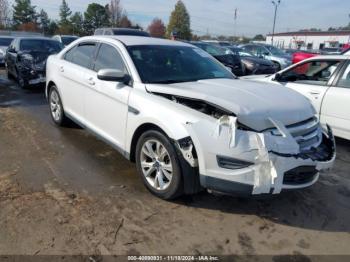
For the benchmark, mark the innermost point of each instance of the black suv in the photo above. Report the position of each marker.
(121, 31)
(223, 55)
(26, 57)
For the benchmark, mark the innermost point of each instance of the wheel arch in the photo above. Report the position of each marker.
(138, 133)
(189, 174)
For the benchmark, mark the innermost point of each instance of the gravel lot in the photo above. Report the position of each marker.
(62, 191)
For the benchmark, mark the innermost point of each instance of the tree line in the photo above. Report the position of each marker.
(24, 16)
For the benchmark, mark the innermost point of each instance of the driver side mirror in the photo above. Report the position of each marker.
(11, 50)
(278, 77)
(113, 75)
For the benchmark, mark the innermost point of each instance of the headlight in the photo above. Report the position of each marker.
(2, 52)
(26, 60)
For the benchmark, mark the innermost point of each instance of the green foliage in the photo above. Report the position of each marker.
(23, 13)
(52, 28)
(77, 22)
(95, 16)
(259, 37)
(180, 22)
(44, 21)
(65, 13)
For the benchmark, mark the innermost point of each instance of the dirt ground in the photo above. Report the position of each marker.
(64, 192)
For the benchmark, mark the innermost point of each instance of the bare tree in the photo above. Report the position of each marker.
(116, 12)
(4, 13)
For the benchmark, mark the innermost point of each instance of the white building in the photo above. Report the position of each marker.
(310, 39)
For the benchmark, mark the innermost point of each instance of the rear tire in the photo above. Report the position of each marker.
(56, 108)
(158, 165)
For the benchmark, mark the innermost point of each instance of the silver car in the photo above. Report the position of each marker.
(5, 41)
(269, 52)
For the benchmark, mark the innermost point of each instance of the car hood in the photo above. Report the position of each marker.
(38, 56)
(252, 102)
(257, 60)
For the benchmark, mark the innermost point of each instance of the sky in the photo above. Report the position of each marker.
(217, 16)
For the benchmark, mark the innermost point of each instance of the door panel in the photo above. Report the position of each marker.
(336, 105)
(314, 93)
(312, 79)
(106, 102)
(106, 109)
(336, 111)
(74, 72)
(73, 81)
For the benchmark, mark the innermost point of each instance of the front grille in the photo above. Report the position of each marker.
(300, 175)
(308, 133)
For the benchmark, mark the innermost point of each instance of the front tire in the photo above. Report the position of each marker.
(56, 108)
(158, 165)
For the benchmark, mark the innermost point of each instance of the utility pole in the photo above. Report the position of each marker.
(276, 4)
(235, 29)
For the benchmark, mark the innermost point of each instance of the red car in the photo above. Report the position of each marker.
(302, 55)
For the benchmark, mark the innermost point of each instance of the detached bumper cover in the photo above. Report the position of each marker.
(277, 161)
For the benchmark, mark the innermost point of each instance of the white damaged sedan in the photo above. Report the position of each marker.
(185, 120)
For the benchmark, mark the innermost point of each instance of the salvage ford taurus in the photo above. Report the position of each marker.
(185, 120)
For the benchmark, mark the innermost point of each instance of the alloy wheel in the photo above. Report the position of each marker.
(156, 164)
(55, 105)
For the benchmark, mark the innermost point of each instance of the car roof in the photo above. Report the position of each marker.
(34, 38)
(7, 36)
(330, 57)
(67, 36)
(129, 40)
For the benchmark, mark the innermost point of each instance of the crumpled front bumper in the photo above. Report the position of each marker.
(276, 163)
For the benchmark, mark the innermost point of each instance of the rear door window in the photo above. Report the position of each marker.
(82, 54)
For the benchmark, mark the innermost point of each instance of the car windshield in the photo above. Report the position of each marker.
(275, 51)
(175, 64)
(240, 52)
(66, 40)
(5, 41)
(41, 45)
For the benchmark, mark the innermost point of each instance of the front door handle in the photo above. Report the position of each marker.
(315, 93)
(91, 81)
(61, 68)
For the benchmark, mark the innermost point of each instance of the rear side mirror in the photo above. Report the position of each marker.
(113, 75)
